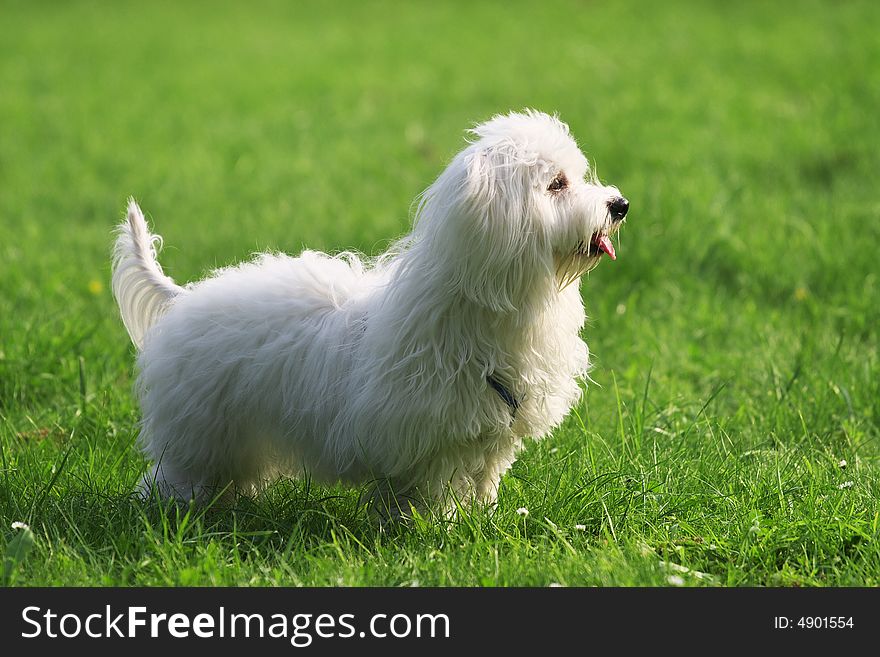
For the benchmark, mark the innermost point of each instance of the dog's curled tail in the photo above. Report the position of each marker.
(142, 291)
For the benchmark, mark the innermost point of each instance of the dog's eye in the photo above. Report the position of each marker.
(560, 182)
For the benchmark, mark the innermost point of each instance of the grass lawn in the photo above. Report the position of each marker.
(732, 436)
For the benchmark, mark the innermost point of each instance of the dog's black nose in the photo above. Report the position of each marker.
(618, 208)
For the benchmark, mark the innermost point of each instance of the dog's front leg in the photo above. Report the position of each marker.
(391, 500)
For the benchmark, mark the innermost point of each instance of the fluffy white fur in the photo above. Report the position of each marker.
(379, 370)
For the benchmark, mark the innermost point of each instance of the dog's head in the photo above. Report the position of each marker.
(518, 205)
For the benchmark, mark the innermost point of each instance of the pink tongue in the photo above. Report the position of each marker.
(604, 244)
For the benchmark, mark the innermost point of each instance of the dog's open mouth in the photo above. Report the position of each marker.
(583, 258)
(598, 245)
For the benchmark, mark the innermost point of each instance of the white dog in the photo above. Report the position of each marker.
(420, 371)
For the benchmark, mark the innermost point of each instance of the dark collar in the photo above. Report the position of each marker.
(504, 393)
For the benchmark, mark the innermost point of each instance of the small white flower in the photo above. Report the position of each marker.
(842, 464)
(675, 580)
(523, 511)
(581, 528)
(19, 525)
(846, 484)
(555, 585)
(621, 308)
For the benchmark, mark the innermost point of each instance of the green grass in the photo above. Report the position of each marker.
(735, 339)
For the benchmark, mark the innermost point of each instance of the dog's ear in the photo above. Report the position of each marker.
(477, 223)
(498, 245)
